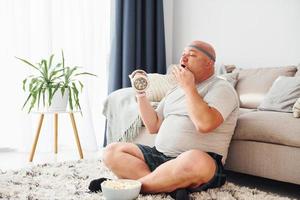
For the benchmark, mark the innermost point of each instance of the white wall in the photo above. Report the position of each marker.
(247, 33)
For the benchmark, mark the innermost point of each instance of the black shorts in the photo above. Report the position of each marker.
(154, 158)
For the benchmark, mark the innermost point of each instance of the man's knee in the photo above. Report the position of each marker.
(188, 162)
(109, 153)
(195, 165)
(112, 152)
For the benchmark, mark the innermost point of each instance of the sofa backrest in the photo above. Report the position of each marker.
(254, 83)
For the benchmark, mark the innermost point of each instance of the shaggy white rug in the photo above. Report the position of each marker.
(70, 180)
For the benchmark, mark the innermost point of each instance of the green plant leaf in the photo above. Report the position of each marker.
(28, 97)
(70, 71)
(43, 73)
(24, 83)
(70, 99)
(76, 98)
(45, 68)
(32, 84)
(63, 58)
(28, 63)
(57, 79)
(56, 88)
(54, 73)
(32, 101)
(63, 62)
(39, 93)
(85, 73)
(75, 95)
(44, 91)
(58, 65)
(75, 90)
(28, 78)
(62, 91)
(81, 86)
(50, 95)
(50, 60)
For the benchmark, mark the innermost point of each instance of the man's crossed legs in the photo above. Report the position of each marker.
(190, 169)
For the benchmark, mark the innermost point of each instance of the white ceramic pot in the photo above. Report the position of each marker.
(59, 103)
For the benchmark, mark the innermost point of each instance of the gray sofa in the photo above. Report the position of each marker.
(265, 143)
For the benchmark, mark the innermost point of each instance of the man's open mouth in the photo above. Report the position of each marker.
(182, 65)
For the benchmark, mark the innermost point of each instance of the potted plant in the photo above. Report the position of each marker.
(53, 84)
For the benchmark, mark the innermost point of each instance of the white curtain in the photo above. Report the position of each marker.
(34, 29)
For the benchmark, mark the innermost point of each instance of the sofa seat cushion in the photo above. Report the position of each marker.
(268, 126)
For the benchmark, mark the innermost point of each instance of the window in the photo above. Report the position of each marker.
(33, 29)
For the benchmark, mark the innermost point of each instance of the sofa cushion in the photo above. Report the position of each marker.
(159, 85)
(230, 77)
(268, 126)
(253, 84)
(230, 68)
(282, 95)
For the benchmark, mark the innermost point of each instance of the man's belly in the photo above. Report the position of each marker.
(178, 134)
(175, 135)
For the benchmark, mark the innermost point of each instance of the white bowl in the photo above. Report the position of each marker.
(121, 189)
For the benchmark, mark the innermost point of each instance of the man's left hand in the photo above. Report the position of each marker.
(184, 77)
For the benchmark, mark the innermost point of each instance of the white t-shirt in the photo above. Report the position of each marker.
(178, 134)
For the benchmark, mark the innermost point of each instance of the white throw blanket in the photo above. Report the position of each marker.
(123, 120)
(121, 112)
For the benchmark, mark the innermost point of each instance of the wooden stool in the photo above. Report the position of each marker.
(56, 134)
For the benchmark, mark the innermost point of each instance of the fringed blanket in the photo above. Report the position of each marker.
(123, 120)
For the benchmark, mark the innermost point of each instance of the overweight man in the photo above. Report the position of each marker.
(194, 124)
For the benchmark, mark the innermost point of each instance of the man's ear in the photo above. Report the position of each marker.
(208, 63)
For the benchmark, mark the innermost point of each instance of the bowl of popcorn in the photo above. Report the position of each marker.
(121, 189)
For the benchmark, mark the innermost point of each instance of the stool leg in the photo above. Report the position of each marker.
(36, 137)
(55, 132)
(76, 135)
